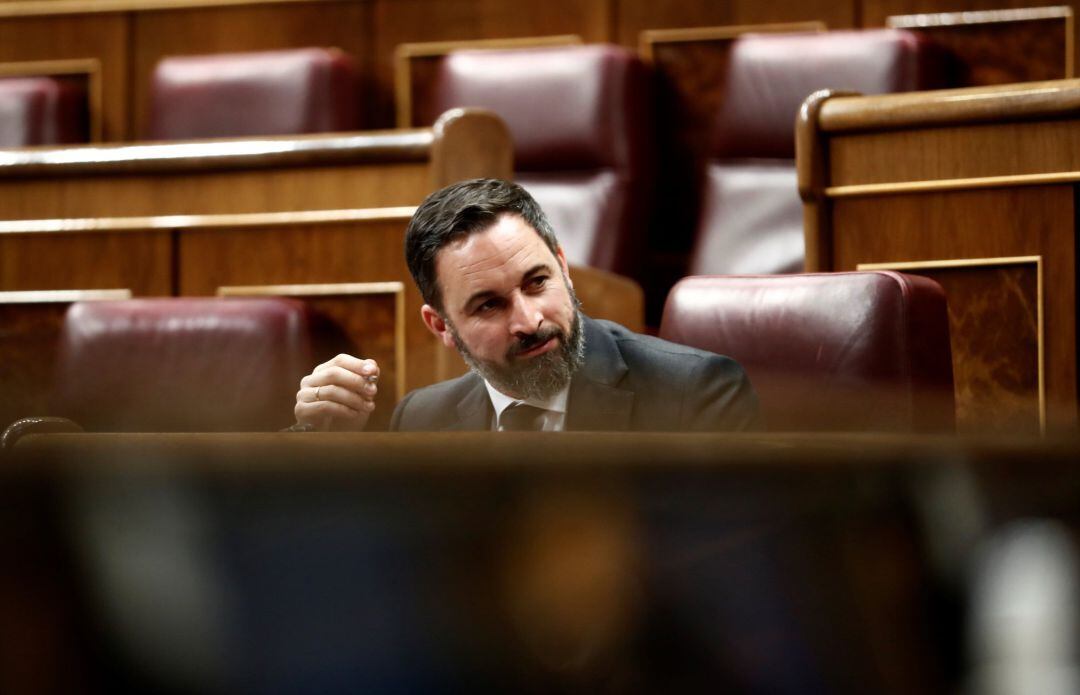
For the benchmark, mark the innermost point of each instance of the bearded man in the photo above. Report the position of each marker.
(496, 288)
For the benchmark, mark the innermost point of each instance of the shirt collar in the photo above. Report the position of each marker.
(500, 401)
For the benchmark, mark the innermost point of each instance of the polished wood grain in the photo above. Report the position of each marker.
(999, 374)
(1002, 46)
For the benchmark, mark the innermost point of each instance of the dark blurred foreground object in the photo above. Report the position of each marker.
(862, 351)
(186, 364)
(43, 111)
(527, 562)
(288, 92)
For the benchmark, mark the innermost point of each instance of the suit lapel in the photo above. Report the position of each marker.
(596, 402)
(474, 410)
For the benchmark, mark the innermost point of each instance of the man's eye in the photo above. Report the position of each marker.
(487, 307)
(538, 282)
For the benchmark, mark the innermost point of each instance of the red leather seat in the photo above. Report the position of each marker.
(833, 351)
(751, 216)
(184, 364)
(43, 111)
(580, 118)
(287, 92)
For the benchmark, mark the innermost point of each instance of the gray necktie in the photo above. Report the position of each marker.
(519, 417)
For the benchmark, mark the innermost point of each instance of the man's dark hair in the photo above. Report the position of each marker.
(461, 209)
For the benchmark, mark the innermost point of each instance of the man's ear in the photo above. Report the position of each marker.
(436, 324)
(562, 262)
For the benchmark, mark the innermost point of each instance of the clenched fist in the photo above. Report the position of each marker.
(338, 395)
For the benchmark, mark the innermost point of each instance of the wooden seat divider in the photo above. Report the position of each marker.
(977, 188)
(30, 324)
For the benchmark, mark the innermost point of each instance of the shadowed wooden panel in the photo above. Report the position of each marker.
(372, 317)
(875, 13)
(990, 307)
(30, 324)
(87, 260)
(634, 16)
(101, 37)
(1000, 47)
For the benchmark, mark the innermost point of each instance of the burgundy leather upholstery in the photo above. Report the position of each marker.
(43, 111)
(307, 90)
(862, 351)
(183, 364)
(580, 118)
(751, 216)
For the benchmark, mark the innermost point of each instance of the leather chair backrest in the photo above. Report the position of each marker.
(286, 92)
(183, 364)
(751, 215)
(580, 118)
(43, 111)
(865, 351)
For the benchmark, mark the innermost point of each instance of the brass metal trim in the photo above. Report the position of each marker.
(182, 222)
(332, 149)
(648, 38)
(975, 183)
(91, 67)
(301, 291)
(406, 52)
(62, 296)
(987, 263)
(939, 19)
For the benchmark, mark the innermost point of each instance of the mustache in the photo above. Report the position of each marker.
(528, 342)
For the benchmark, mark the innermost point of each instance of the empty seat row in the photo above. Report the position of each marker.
(308, 90)
(842, 351)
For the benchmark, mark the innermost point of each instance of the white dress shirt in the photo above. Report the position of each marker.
(554, 418)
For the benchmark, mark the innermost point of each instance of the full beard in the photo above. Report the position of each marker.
(537, 378)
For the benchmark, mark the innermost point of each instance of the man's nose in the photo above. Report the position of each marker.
(525, 316)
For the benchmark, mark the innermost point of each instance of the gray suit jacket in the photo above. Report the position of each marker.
(628, 382)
